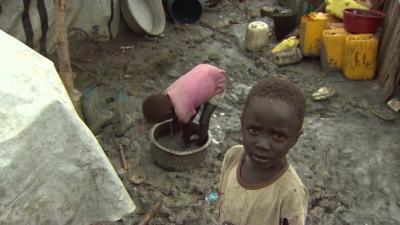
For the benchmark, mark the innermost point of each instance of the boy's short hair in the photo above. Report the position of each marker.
(283, 89)
(156, 108)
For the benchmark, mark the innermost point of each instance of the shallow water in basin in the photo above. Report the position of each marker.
(175, 143)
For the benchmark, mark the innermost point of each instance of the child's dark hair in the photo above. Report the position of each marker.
(157, 108)
(283, 89)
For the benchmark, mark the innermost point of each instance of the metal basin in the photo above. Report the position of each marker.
(144, 16)
(174, 159)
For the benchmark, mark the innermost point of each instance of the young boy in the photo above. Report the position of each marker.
(257, 184)
(182, 100)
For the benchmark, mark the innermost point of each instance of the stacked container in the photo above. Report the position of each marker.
(312, 26)
(359, 61)
(332, 48)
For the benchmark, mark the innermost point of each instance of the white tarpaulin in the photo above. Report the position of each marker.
(52, 169)
(34, 21)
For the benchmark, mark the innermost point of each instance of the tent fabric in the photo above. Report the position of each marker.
(34, 21)
(52, 169)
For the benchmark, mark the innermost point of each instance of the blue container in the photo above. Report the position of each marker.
(185, 11)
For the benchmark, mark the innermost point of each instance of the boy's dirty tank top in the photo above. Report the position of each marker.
(195, 88)
(287, 197)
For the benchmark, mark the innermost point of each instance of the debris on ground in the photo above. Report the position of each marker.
(150, 214)
(123, 157)
(383, 114)
(394, 104)
(287, 57)
(137, 179)
(324, 93)
(126, 48)
(212, 197)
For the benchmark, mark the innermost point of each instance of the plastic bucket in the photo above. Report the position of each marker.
(359, 21)
(185, 11)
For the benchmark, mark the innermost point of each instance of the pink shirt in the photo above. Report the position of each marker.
(195, 88)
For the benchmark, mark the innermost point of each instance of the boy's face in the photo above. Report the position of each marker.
(270, 128)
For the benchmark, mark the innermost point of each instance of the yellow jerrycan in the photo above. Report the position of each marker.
(332, 49)
(360, 52)
(312, 26)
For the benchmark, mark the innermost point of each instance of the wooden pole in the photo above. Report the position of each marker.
(150, 214)
(66, 73)
(389, 53)
(65, 70)
(123, 158)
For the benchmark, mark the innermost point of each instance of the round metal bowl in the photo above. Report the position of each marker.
(144, 16)
(171, 159)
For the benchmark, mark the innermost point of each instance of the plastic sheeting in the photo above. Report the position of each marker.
(34, 21)
(52, 169)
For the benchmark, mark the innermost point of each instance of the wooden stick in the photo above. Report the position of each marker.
(150, 214)
(123, 158)
(66, 73)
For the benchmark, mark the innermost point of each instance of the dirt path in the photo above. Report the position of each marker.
(347, 157)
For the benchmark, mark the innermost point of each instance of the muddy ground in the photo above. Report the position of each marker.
(348, 158)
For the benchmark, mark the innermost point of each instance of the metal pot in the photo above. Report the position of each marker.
(172, 159)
